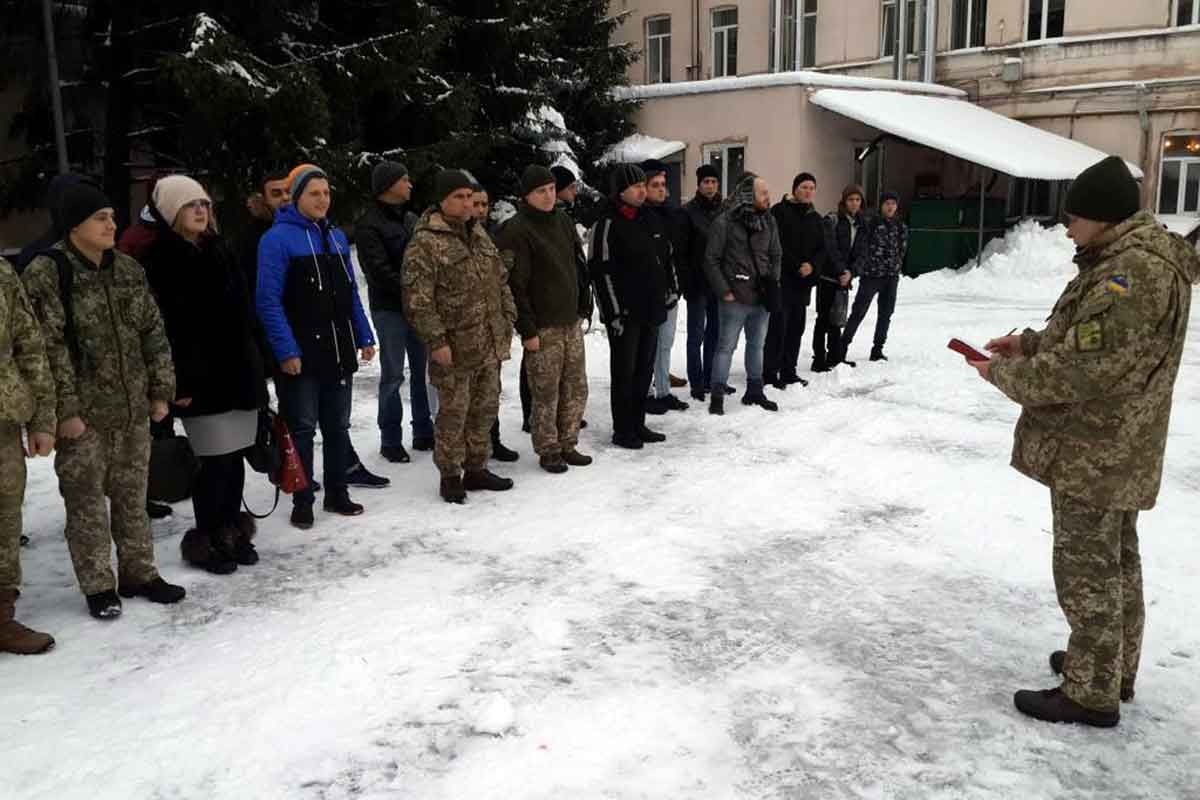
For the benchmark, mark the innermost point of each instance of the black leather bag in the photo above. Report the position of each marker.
(173, 468)
(263, 455)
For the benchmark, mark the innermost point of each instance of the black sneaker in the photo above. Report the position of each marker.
(1051, 705)
(629, 442)
(158, 510)
(1058, 660)
(650, 437)
(104, 605)
(302, 516)
(759, 399)
(789, 380)
(156, 591)
(423, 443)
(483, 480)
(362, 478)
(340, 503)
(656, 406)
(452, 490)
(698, 395)
(395, 454)
(877, 354)
(673, 403)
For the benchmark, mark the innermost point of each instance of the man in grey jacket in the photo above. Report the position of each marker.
(743, 263)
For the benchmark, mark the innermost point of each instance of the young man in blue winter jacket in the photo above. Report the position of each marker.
(887, 244)
(308, 303)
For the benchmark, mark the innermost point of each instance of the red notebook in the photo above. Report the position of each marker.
(967, 351)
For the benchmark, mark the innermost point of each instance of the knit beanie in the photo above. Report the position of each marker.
(623, 176)
(1104, 192)
(851, 190)
(653, 167)
(563, 177)
(174, 192)
(449, 181)
(888, 194)
(79, 202)
(54, 194)
(385, 175)
(707, 171)
(536, 176)
(299, 177)
(801, 178)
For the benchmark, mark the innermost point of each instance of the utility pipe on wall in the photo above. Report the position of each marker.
(929, 64)
(901, 40)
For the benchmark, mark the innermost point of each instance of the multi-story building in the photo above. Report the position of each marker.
(1121, 77)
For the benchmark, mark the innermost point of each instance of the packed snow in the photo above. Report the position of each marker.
(836, 601)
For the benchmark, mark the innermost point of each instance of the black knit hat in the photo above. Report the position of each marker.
(707, 171)
(79, 202)
(563, 177)
(536, 176)
(801, 178)
(449, 181)
(888, 194)
(652, 167)
(1104, 192)
(623, 176)
(385, 175)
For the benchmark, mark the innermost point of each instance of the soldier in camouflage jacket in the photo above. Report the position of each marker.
(1095, 387)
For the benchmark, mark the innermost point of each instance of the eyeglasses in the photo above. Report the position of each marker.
(196, 205)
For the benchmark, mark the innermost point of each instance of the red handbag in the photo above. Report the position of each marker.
(290, 478)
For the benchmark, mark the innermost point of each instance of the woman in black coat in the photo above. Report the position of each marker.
(220, 381)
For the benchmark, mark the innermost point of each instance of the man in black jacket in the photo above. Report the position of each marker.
(382, 234)
(845, 249)
(887, 246)
(630, 258)
(803, 237)
(673, 220)
(704, 321)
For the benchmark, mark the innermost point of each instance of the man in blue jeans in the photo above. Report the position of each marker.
(382, 234)
(743, 262)
(703, 311)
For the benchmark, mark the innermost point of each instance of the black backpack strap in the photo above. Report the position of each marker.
(66, 283)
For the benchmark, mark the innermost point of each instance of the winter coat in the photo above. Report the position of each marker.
(845, 244)
(740, 260)
(307, 298)
(26, 383)
(1096, 384)
(802, 235)
(136, 240)
(887, 244)
(674, 221)
(382, 235)
(247, 248)
(700, 212)
(456, 291)
(124, 359)
(629, 264)
(210, 323)
(544, 272)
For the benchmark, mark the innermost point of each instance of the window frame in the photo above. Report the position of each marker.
(1188, 161)
(915, 41)
(1176, 5)
(723, 31)
(971, 26)
(1045, 4)
(723, 148)
(657, 40)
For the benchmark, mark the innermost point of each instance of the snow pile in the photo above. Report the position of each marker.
(639, 147)
(1028, 261)
(494, 715)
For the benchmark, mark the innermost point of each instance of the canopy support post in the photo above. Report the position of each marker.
(982, 208)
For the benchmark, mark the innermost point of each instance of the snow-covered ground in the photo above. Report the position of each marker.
(836, 601)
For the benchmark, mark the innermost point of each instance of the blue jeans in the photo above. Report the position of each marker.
(735, 317)
(662, 358)
(704, 326)
(305, 403)
(397, 341)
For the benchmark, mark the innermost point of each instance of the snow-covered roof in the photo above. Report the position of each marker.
(967, 131)
(797, 78)
(1183, 224)
(638, 148)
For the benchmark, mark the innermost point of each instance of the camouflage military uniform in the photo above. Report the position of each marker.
(123, 363)
(26, 401)
(558, 383)
(1096, 386)
(456, 295)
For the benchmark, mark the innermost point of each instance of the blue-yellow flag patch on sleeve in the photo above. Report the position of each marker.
(1118, 284)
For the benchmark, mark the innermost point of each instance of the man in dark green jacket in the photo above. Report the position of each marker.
(544, 279)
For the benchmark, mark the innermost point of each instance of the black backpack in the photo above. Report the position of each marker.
(66, 282)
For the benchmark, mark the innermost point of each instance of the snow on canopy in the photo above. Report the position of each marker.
(796, 78)
(967, 131)
(640, 147)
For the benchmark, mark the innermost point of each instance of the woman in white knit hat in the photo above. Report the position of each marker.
(211, 323)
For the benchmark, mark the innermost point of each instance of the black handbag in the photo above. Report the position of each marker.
(263, 455)
(173, 468)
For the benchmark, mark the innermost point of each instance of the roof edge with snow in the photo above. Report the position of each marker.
(639, 147)
(798, 78)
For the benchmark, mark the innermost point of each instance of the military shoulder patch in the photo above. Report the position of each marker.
(1118, 284)
(1089, 336)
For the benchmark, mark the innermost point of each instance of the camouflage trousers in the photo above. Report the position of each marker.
(1098, 577)
(108, 464)
(558, 388)
(468, 401)
(12, 494)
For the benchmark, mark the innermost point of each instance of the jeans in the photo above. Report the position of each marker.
(704, 325)
(397, 341)
(631, 365)
(735, 317)
(662, 358)
(217, 495)
(868, 288)
(305, 403)
(784, 334)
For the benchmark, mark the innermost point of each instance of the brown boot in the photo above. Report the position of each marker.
(15, 637)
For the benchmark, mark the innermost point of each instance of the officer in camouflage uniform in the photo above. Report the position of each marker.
(26, 403)
(112, 369)
(456, 297)
(1095, 387)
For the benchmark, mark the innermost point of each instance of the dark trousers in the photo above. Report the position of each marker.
(784, 334)
(703, 333)
(305, 403)
(827, 338)
(526, 392)
(631, 365)
(868, 289)
(217, 494)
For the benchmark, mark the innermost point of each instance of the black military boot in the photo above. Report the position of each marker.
(156, 591)
(650, 437)
(716, 403)
(1051, 705)
(339, 502)
(104, 605)
(302, 516)
(499, 451)
(553, 463)
(484, 480)
(574, 458)
(452, 490)
(395, 454)
(1058, 660)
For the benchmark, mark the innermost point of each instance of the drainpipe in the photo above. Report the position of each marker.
(697, 67)
(901, 39)
(929, 65)
(60, 132)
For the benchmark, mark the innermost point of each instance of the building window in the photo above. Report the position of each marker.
(1046, 19)
(793, 26)
(1187, 12)
(725, 43)
(969, 26)
(658, 50)
(888, 45)
(1034, 199)
(1179, 188)
(730, 161)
